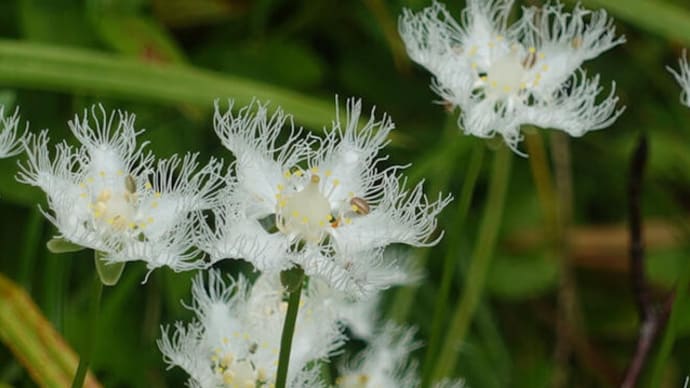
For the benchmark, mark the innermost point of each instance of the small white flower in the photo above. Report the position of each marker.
(385, 363)
(235, 339)
(327, 208)
(504, 76)
(10, 138)
(110, 196)
(683, 78)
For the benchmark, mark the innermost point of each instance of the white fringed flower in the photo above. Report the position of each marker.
(326, 208)
(10, 138)
(683, 78)
(504, 76)
(235, 339)
(385, 363)
(110, 196)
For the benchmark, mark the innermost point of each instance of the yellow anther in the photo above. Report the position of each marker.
(120, 173)
(314, 170)
(148, 186)
(132, 225)
(282, 203)
(541, 56)
(149, 220)
(82, 185)
(157, 194)
(322, 223)
(299, 173)
(329, 217)
(89, 180)
(483, 78)
(280, 187)
(532, 50)
(474, 65)
(225, 340)
(354, 208)
(499, 38)
(154, 204)
(328, 173)
(305, 220)
(506, 89)
(287, 174)
(336, 182)
(545, 67)
(347, 220)
(295, 213)
(101, 173)
(83, 195)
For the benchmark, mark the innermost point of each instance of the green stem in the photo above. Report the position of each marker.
(87, 349)
(451, 259)
(292, 280)
(476, 275)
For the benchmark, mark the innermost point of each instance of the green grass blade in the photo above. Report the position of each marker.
(42, 67)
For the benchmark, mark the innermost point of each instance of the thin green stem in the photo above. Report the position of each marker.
(87, 349)
(450, 259)
(294, 290)
(481, 260)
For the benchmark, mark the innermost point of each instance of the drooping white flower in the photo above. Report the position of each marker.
(235, 339)
(320, 203)
(683, 78)
(110, 196)
(503, 77)
(10, 138)
(386, 363)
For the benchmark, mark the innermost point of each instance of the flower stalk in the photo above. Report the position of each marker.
(292, 280)
(87, 349)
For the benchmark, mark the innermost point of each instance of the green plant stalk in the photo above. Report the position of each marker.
(294, 290)
(403, 300)
(87, 349)
(63, 69)
(450, 260)
(481, 260)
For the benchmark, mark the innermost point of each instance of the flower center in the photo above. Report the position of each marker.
(236, 372)
(114, 202)
(505, 76)
(305, 213)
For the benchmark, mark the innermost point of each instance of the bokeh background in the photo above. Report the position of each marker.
(547, 317)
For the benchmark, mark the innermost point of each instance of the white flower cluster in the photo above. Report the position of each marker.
(235, 339)
(504, 76)
(322, 204)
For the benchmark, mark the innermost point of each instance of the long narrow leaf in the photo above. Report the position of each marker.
(33, 341)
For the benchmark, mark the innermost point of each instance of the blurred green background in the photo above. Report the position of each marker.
(166, 61)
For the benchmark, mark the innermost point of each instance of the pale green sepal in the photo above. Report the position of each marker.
(59, 245)
(109, 273)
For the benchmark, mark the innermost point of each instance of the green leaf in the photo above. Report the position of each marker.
(33, 341)
(42, 67)
(58, 245)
